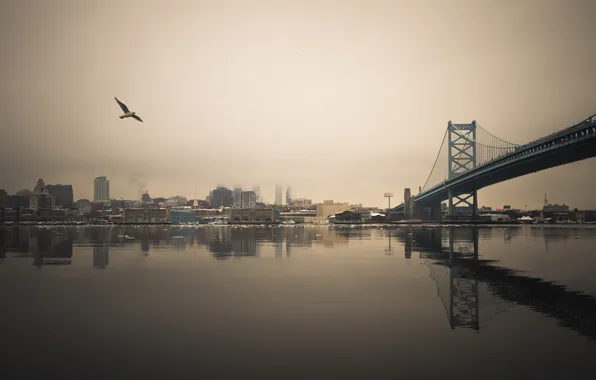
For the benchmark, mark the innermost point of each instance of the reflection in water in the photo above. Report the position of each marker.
(347, 300)
(3, 244)
(469, 286)
(101, 256)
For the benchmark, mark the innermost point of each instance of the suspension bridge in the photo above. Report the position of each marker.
(471, 158)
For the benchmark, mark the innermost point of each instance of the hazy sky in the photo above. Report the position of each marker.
(342, 100)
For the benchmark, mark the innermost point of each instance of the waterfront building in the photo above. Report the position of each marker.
(328, 208)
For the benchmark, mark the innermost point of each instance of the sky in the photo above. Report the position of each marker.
(342, 100)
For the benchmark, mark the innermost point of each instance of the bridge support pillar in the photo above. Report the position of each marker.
(469, 200)
(428, 213)
(409, 206)
(436, 212)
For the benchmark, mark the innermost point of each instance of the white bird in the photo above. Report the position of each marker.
(127, 113)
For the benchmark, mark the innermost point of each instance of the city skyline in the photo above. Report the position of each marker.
(255, 198)
(378, 80)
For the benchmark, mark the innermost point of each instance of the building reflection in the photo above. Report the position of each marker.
(51, 247)
(101, 256)
(475, 290)
(3, 243)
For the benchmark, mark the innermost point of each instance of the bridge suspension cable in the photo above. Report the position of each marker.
(436, 160)
(490, 147)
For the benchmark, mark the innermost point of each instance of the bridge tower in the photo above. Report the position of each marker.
(462, 158)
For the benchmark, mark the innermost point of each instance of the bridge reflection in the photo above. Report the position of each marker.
(475, 290)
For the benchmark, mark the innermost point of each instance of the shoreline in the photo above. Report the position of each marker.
(390, 223)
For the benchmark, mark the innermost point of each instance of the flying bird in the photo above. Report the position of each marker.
(127, 113)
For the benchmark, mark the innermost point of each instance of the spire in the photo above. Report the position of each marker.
(545, 200)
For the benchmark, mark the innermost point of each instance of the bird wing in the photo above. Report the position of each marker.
(122, 105)
(138, 118)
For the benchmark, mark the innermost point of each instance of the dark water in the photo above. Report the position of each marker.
(298, 302)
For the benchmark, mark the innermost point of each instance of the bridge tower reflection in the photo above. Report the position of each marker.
(463, 284)
(447, 248)
(474, 290)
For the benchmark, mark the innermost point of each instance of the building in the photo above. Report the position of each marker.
(101, 189)
(63, 195)
(297, 216)
(248, 199)
(289, 196)
(221, 197)
(145, 198)
(3, 196)
(253, 215)
(328, 208)
(207, 213)
(176, 201)
(302, 203)
(257, 190)
(153, 215)
(346, 216)
(183, 215)
(20, 201)
(40, 198)
(555, 208)
(83, 206)
(237, 197)
(278, 195)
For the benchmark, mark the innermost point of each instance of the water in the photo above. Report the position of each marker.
(297, 302)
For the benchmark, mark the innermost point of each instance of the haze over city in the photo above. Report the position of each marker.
(341, 100)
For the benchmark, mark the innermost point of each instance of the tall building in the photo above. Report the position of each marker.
(101, 189)
(40, 198)
(237, 196)
(145, 198)
(257, 190)
(249, 199)
(63, 195)
(222, 196)
(278, 195)
(289, 196)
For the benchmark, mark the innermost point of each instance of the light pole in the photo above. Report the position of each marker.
(388, 196)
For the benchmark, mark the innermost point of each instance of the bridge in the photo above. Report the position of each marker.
(475, 158)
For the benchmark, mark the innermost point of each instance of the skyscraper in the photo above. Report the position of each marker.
(249, 199)
(63, 195)
(237, 196)
(101, 189)
(257, 190)
(278, 195)
(289, 196)
(221, 196)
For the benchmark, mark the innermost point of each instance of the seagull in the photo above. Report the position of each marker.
(127, 113)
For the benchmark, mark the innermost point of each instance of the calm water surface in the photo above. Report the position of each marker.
(298, 302)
